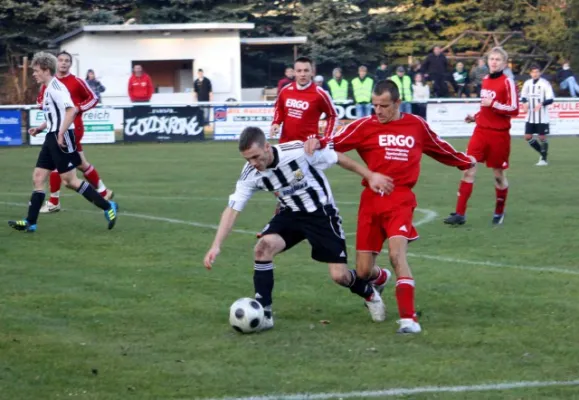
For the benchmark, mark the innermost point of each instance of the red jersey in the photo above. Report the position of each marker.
(395, 149)
(82, 96)
(140, 87)
(505, 103)
(299, 111)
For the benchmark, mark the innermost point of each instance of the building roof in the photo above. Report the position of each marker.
(212, 26)
(267, 41)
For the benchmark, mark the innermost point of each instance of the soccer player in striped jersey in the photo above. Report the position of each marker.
(84, 99)
(537, 94)
(308, 212)
(59, 149)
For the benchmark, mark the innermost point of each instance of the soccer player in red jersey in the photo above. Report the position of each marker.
(491, 139)
(391, 143)
(84, 99)
(299, 106)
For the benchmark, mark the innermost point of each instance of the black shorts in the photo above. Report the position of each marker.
(540, 129)
(52, 156)
(322, 229)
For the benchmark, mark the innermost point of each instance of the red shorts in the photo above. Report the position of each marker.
(490, 146)
(384, 217)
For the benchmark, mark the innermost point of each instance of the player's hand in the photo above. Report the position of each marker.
(380, 183)
(311, 145)
(60, 139)
(538, 107)
(486, 102)
(273, 131)
(33, 131)
(525, 107)
(211, 256)
(469, 118)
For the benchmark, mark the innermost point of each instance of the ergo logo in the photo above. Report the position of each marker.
(396, 140)
(293, 103)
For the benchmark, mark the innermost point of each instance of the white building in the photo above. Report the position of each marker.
(170, 53)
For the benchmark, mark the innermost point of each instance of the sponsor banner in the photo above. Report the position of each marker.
(10, 128)
(230, 121)
(447, 119)
(163, 124)
(99, 125)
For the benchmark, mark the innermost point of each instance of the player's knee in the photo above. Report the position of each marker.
(340, 274)
(38, 179)
(263, 249)
(542, 138)
(528, 137)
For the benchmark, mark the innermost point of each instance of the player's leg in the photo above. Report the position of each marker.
(477, 147)
(53, 203)
(501, 191)
(530, 130)
(498, 160)
(92, 176)
(543, 132)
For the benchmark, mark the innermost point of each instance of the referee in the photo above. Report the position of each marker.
(536, 96)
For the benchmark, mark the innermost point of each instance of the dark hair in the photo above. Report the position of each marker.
(65, 53)
(387, 86)
(304, 60)
(250, 136)
(534, 66)
(88, 72)
(199, 70)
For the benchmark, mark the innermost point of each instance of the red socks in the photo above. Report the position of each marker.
(501, 200)
(405, 298)
(383, 276)
(92, 176)
(464, 192)
(54, 184)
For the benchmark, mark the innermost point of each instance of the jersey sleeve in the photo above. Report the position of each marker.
(63, 97)
(327, 106)
(279, 109)
(525, 93)
(549, 95)
(323, 159)
(442, 151)
(349, 138)
(511, 106)
(89, 98)
(244, 189)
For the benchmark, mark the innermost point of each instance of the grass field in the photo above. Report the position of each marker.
(131, 313)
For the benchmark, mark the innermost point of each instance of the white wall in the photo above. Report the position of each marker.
(110, 55)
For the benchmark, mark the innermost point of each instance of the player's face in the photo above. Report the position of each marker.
(258, 157)
(496, 62)
(386, 110)
(39, 74)
(535, 74)
(64, 63)
(303, 72)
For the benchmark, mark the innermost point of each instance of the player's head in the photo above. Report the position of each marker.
(255, 148)
(303, 68)
(497, 61)
(64, 62)
(535, 71)
(386, 101)
(43, 67)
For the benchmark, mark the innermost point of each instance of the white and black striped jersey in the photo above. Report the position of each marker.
(295, 178)
(535, 92)
(54, 104)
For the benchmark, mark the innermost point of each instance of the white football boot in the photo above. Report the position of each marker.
(542, 162)
(48, 207)
(376, 307)
(267, 321)
(408, 325)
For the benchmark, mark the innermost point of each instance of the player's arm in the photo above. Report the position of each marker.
(149, 88)
(377, 182)
(443, 152)
(278, 113)
(89, 98)
(36, 130)
(549, 95)
(244, 189)
(525, 97)
(511, 107)
(330, 111)
(62, 98)
(347, 139)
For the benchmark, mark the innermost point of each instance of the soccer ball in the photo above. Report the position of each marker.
(245, 315)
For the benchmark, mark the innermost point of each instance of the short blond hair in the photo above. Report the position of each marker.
(45, 61)
(501, 51)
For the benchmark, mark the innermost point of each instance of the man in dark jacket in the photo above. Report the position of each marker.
(382, 72)
(435, 69)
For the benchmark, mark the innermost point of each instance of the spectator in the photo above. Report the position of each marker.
(319, 80)
(140, 86)
(382, 72)
(460, 80)
(421, 94)
(413, 69)
(567, 80)
(435, 68)
(203, 91)
(339, 87)
(477, 75)
(287, 79)
(362, 87)
(509, 70)
(404, 87)
(95, 85)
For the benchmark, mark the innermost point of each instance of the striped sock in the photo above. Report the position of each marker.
(263, 282)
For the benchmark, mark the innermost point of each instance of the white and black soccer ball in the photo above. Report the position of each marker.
(245, 315)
